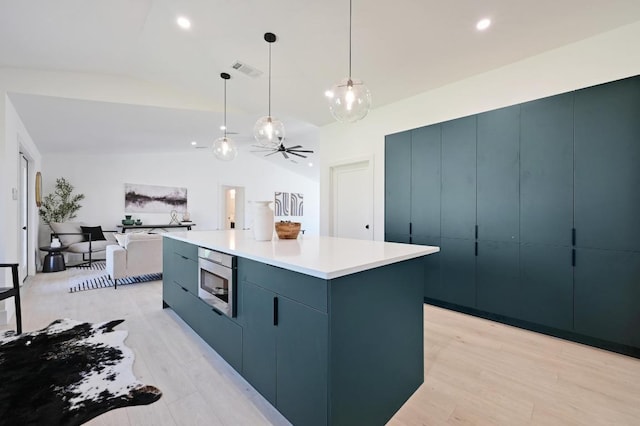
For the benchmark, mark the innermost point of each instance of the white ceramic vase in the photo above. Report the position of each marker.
(262, 221)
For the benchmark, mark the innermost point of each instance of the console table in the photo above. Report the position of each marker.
(165, 227)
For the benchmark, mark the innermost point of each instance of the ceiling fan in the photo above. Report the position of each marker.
(293, 150)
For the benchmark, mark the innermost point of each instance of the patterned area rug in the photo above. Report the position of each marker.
(99, 279)
(96, 265)
(67, 374)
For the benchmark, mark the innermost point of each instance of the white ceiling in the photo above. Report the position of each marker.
(400, 49)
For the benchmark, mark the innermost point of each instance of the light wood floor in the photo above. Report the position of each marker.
(477, 372)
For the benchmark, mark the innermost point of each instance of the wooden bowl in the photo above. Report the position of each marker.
(288, 230)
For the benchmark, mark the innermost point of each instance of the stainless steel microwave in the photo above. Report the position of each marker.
(217, 280)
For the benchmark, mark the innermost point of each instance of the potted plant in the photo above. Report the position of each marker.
(62, 204)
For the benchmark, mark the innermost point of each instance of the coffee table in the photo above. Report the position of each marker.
(53, 260)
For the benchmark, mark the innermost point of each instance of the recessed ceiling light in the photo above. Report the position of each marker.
(328, 94)
(183, 22)
(310, 164)
(194, 143)
(223, 127)
(483, 24)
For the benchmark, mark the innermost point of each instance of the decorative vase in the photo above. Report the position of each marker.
(262, 221)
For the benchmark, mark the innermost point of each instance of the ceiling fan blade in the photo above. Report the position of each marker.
(274, 152)
(301, 150)
(285, 154)
(299, 155)
(294, 147)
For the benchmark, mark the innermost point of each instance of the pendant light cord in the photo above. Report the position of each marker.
(350, 14)
(269, 80)
(225, 109)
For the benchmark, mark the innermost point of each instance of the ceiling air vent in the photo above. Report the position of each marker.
(246, 69)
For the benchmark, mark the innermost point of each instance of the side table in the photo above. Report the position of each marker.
(53, 260)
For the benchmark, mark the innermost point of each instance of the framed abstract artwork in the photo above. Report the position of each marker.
(288, 204)
(154, 199)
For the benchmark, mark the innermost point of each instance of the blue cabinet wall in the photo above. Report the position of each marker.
(425, 182)
(459, 178)
(539, 208)
(607, 208)
(546, 211)
(397, 212)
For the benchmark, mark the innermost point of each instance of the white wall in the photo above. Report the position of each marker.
(101, 179)
(606, 57)
(19, 141)
(13, 140)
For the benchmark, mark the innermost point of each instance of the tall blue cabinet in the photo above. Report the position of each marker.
(607, 211)
(539, 208)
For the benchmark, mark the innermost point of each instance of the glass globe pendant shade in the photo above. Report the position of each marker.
(349, 100)
(268, 131)
(224, 149)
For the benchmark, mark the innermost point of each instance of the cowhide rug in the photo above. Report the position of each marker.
(67, 374)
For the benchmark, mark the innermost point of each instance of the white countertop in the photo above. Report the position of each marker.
(322, 257)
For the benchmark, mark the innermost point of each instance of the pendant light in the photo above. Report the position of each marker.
(224, 148)
(350, 99)
(268, 130)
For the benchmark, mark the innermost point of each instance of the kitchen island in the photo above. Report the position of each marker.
(329, 330)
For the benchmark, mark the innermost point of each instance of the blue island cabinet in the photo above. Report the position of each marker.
(345, 351)
(341, 351)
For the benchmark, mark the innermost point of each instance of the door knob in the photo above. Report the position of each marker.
(24, 228)
(366, 226)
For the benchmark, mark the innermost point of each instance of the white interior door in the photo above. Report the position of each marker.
(352, 200)
(232, 207)
(24, 216)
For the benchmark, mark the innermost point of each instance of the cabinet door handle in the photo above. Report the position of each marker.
(184, 257)
(410, 227)
(275, 311)
(183, 289)
(476, 232)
